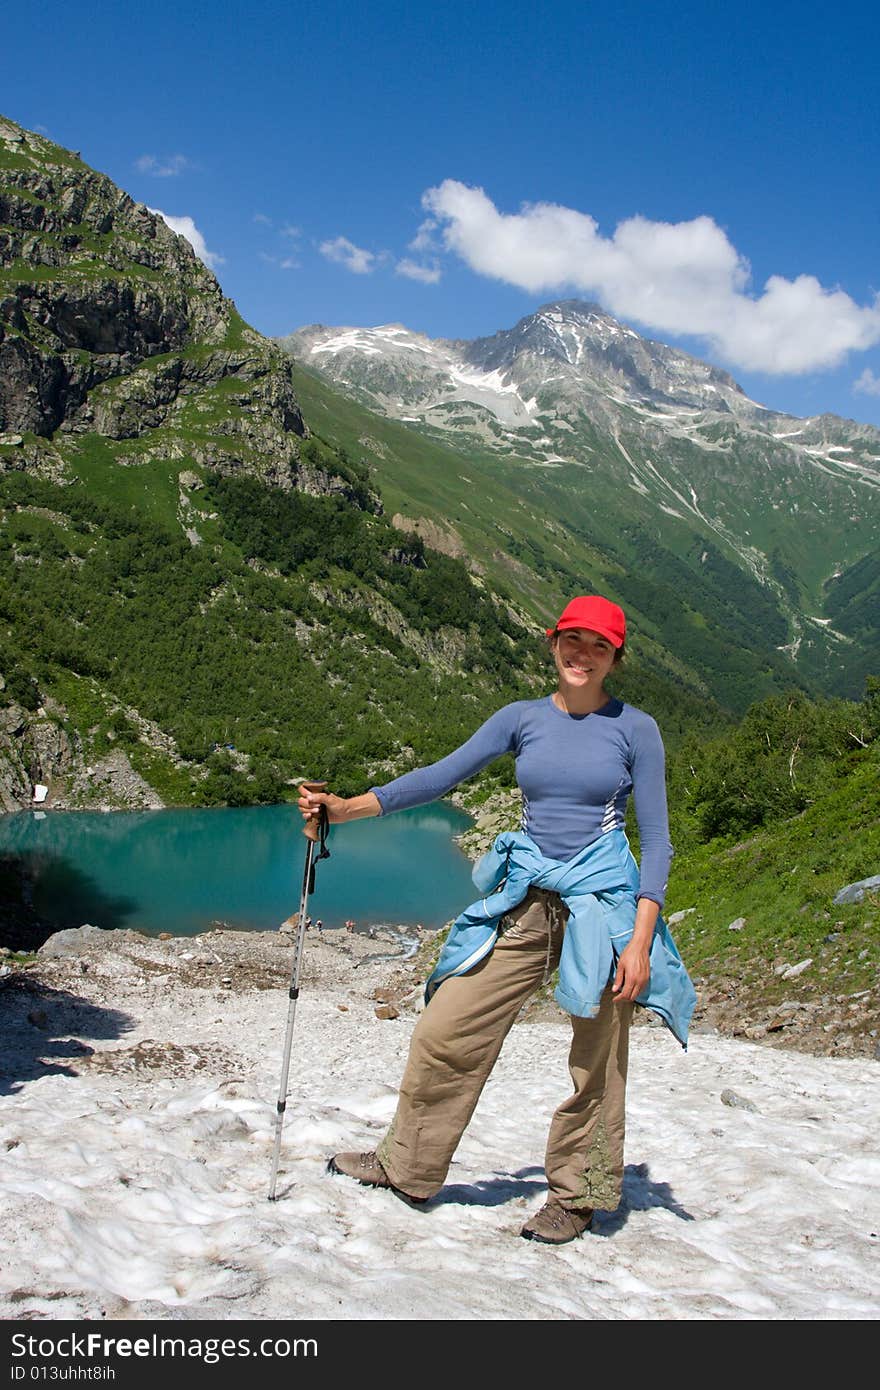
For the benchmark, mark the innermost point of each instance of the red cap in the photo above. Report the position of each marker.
(596, 614)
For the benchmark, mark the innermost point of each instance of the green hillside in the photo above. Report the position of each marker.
(309, 635)
(202, 593)
(698, 619)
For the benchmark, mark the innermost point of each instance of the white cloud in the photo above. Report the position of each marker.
(868, 384)
(162, 168)
(263, 219)
(424, 239)
(676, 278)
(427, 274)
(344, 252)
(185, 227)
(283, 262)
(290, 231)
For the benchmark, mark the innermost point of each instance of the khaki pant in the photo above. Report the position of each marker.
(457, 1041)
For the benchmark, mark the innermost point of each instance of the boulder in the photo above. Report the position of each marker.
(854, 892)
(791, 972)
(737, 1102)
(78, 941)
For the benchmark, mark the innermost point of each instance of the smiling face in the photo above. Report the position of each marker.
(583, 660)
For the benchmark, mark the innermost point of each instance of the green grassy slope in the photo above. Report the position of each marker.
(783, 880)
(780, 884)
(698, 619)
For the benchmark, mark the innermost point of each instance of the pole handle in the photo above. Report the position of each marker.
(311, 829)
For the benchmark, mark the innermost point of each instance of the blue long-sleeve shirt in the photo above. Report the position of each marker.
(576, 772)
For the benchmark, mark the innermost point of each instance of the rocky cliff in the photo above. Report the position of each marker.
(110, 325)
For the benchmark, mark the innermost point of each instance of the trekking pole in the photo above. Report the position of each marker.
(314, 831)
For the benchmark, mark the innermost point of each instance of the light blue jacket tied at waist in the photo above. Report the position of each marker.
(599, 888)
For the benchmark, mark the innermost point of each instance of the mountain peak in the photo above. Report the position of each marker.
(580, 334)
(580, 311)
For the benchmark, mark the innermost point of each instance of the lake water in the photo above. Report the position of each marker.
(179, 871)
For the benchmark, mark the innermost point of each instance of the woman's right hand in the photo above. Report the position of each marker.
(339, 808)
(310, 802)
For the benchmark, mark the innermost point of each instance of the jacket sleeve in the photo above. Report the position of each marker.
(424, 784)
(648, 770)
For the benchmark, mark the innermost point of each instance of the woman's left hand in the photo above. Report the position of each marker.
(633, 971)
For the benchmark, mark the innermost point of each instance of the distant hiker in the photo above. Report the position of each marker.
(349, 925)
(566, 892)
(308, 923)
(319, 925)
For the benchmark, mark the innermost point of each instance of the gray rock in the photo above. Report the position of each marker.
(679, 916)
(737, 1102)
(111, 782)
(791, 972)
(76, 940)
(854, 892)
(737, 924)
(32, 749)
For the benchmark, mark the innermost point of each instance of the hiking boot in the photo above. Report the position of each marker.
(556, 1225)
(368, 1171)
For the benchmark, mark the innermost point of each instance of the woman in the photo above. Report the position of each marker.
(566, 891)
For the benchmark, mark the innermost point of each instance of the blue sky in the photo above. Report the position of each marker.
(707, 173)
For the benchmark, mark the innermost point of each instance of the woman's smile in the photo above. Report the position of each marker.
(583, 659)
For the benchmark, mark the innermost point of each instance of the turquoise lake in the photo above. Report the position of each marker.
(179, 871)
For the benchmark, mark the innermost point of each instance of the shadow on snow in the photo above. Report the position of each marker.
(41, 1028)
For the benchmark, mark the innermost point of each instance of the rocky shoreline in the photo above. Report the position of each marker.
(87, 969)
(39, 747)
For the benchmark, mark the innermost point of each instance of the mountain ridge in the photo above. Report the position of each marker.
(540, 334)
